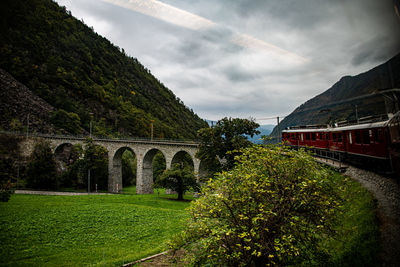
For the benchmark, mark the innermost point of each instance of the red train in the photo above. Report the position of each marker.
(368, 143)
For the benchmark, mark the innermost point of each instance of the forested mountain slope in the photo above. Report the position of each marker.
(84, 77)
(336, 104)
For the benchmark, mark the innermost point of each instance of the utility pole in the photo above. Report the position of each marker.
(88, 187)
(90, 124)
(27, 126)
(356, 113)
(279, 130)
(152, 129)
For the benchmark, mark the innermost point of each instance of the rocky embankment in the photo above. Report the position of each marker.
(18, 102)
(387, 194)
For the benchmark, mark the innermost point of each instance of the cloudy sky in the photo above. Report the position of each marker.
(247, 58)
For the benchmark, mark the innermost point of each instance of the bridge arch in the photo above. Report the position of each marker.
(184, 157)
(64, 156)
(145, 179)
(115, 183)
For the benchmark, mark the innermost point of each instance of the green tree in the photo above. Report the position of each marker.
(15, 125)
(96, 160)
(74, 175)
(158, 165)
(228, 135)
(9, 164)
(68, 121)
(272, 208)
(179, 179)
(41, 170)
(128, 168)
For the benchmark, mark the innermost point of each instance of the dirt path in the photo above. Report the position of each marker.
(53, 193)
(387, 193)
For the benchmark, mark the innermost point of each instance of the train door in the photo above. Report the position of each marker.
(354, 143)
(366, 142)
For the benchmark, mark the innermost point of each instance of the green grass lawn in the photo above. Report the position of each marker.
(94, 230)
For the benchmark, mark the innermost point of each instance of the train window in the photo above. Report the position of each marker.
(366, 139)
(377, 135)
(358, 137)
(307, 136)
(328, 136)
(313, 136)
(292, 136)
(334, 137)
(340, 140)
(350, 139)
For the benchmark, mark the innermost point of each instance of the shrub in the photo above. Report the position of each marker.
(272, 208)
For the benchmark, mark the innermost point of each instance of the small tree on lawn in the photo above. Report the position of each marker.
(272, 208)
(179, 179)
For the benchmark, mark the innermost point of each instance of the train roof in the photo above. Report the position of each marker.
(339, 128)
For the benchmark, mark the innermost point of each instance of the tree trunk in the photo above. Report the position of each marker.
(180, 195)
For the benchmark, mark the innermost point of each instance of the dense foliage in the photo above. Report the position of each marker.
(273, 208)
(179, 179)
(9, 165)
(82, 159)
(228, 135)
(96, 161)
(80, 72)
(129, 168)
(41, 170)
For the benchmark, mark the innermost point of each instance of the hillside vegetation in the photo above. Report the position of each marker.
(338, 103)
(84, 77)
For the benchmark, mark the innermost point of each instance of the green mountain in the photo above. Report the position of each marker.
(351, 97)
(82, 77)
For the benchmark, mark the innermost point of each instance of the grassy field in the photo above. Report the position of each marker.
(105, 230)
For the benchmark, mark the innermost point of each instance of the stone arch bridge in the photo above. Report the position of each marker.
(144, 151)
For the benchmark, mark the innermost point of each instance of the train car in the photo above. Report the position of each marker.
(372, 144)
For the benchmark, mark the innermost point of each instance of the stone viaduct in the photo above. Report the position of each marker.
(144, 150)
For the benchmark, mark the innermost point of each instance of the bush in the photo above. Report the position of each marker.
(6, 190)
(272, 208)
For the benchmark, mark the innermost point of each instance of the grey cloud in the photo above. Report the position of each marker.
(218, 78)
(368, 52)
(237, 74)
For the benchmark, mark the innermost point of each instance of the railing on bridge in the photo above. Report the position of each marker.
(126, 139)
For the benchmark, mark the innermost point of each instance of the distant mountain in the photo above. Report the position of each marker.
(343, 100)
(83, 77)
(264, 130)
